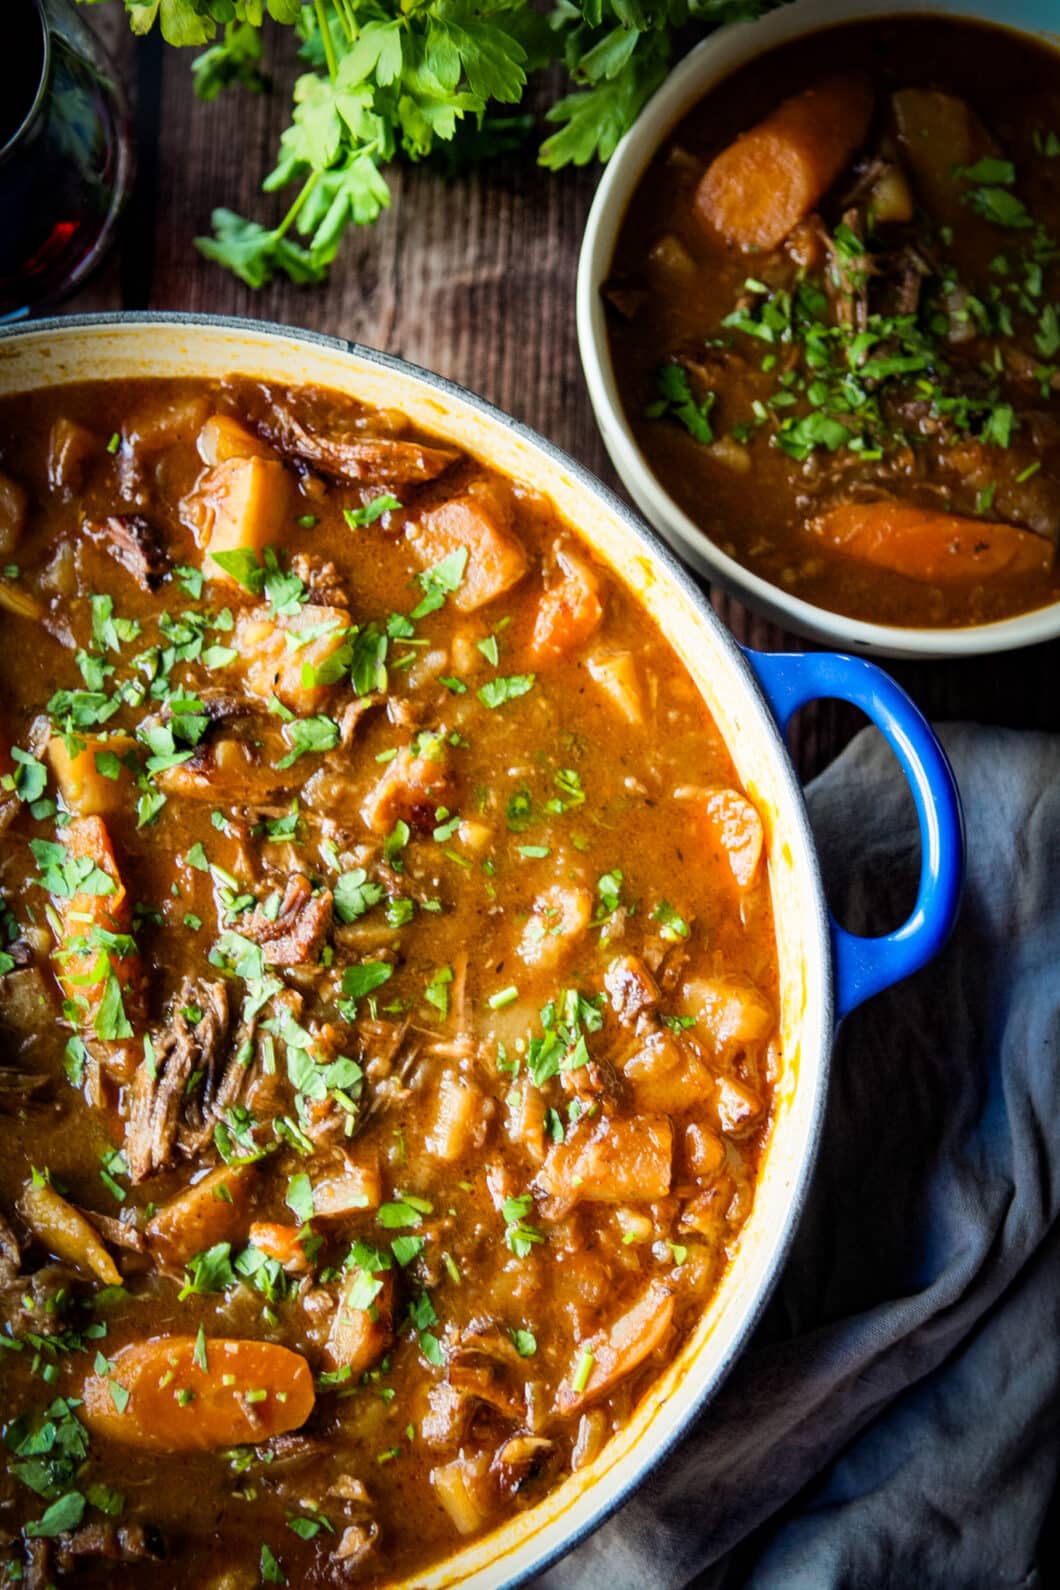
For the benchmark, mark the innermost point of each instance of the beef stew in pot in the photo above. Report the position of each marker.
(388, 987)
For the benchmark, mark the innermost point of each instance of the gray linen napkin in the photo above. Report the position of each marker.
(896, 1419)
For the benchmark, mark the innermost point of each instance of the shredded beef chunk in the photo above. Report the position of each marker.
(133, 541)
(292, 929)
(358, 459)
(173, 1093)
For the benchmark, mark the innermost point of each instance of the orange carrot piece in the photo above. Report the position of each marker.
(79, 972)
(280, 1242)
(248, 1392)
(757, 189)
(567, 613)
(927, 544)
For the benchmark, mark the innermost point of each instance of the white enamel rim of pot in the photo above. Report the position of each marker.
(57, 352)
(716, 58)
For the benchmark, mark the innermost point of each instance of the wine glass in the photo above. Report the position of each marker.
(66, 161)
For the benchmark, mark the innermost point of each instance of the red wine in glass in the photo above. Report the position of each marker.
(65, 154)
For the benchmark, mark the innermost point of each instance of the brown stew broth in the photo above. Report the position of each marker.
(447, 1241)
(674, 281)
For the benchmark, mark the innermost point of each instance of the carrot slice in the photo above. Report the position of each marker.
(568, 612)
(280, 1242)
(927, 544)
(758, 188)
(84, 966)
(248, 1392)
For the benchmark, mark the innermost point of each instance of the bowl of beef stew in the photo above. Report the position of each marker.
(417, 990)
(817, 309)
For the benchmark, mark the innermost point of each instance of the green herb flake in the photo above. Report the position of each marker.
(440, 581)
(495, 692)
(677, 401)
(358, 518)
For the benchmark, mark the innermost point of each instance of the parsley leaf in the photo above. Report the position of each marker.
(354, 895)
(357, 518)
(495, 692)
(677, 401)
(440, 581)
(309, 735)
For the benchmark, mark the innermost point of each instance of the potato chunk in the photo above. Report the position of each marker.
(733, 825)
(91, 784)
(618, 677)
(459, 1119)
(301, 671)
(939, 134)
(758, 188)
(346, 1190)
(240, 505)
(361, 1331)
(411, 787)
(215, 1209)
(223, 437)
(613, 1161)
(729, 1013)
(480, 520)
(665, 1076)
(560, 917)
(70, 446)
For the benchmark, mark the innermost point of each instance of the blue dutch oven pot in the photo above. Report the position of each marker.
(825, 972)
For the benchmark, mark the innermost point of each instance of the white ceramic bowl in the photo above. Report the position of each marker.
(716, 58)
(824, 971)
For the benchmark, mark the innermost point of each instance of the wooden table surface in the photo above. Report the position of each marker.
(472, 278)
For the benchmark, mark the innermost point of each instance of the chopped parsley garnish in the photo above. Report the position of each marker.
(672, 926)
(308, 736)
(677, 401)
(518, 1236)
(440, 581)
(357, 518)
(271, 1572)
(583, 1371)
(357, 981)
(64, 875)
(437, 991)
(404, 1209)
(495, 692)
(405, 1249)
(209, 1271)
(354, 895)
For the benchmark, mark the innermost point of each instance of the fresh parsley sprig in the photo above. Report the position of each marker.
(415, 79)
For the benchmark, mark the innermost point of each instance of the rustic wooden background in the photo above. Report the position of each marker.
(472, 278)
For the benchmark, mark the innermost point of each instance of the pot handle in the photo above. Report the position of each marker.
(865, 966)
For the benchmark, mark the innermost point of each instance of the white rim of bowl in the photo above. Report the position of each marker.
(707, 64)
